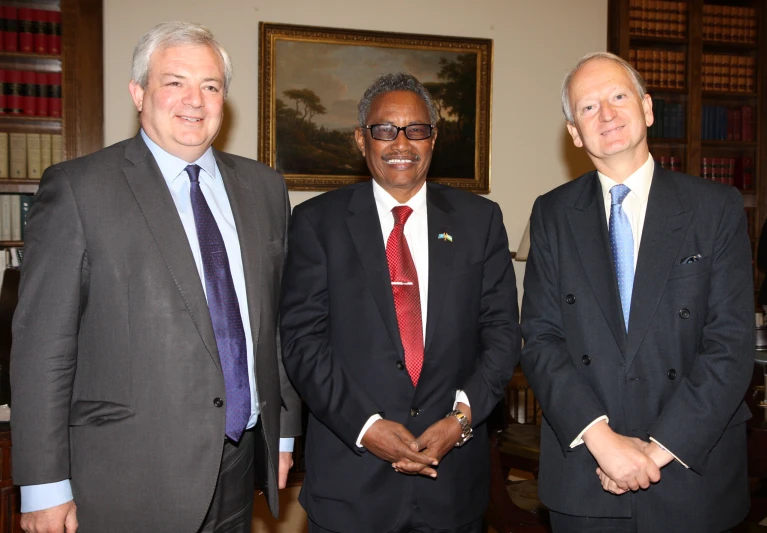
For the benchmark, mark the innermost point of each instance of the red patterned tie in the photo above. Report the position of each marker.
(407, 297)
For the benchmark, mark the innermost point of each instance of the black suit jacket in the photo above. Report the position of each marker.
(114, 364)
(342, 350)
(681, 372)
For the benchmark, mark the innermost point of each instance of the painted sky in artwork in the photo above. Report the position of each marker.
(340, 73)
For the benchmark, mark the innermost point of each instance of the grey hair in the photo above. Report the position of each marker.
(170, 34)
(395, 82)
(636, 78)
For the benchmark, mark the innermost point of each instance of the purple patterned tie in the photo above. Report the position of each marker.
(224, 311)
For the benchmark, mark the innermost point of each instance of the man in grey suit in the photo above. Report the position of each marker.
(638, 325)
(148, 389)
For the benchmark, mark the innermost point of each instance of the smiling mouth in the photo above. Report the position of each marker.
(612, 130)
(400, 160)
(191, 119)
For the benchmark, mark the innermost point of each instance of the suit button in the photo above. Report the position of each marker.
(684, 313)
(671, 374)
(586, 360)
(570, 299)
(400, 365)
(218, 402)
(414, 412)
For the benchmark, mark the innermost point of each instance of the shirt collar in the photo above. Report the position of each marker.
(385, 202)
(173, 167)
(639, 182)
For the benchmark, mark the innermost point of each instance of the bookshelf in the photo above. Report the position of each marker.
(52, 91)
(705, 64)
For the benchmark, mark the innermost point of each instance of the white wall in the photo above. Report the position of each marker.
(535, 43)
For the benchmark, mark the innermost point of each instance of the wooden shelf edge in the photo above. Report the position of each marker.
(9, 186)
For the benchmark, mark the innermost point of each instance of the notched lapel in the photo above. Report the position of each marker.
(247, 208)
(589, 227)
(365, 230)
(665, 227)
(156, 204)
(441, 252)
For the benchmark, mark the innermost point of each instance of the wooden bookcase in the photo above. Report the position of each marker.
(81, 64)
(718, 44)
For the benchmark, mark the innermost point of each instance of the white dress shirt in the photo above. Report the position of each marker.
(416, 234)
(635, 207)
(44, 496)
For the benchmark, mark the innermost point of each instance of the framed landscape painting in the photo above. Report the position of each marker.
(311, 79)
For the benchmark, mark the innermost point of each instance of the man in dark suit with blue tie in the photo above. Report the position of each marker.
(399, 328)
(148, 390)
(637, 318)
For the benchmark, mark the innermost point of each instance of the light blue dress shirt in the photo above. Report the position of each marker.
(37, 497)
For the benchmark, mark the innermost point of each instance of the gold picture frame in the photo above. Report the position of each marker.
(311, 78)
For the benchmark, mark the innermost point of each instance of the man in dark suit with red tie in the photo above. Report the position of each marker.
(399, 329)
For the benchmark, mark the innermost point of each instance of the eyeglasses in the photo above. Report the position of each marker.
(389, 132)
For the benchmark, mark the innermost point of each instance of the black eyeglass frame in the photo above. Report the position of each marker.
(399, 129)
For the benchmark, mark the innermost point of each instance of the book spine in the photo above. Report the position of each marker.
(41, 100)
(54, 88)
(29, 93)
(41, 41)
(45, 151)
(748, 173)
(34, 169)
(5, 217)
(26, 30)
(54, 43)
(705, 168)
(18, 152)
(57, 149)
(11, 33)
(3, 102)
(12, 90)
(4, 156)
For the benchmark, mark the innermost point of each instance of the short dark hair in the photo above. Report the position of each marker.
(395, 82)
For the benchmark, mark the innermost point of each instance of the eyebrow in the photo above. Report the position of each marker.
(182, 77)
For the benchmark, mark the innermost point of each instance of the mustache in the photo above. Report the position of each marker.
(402, 155)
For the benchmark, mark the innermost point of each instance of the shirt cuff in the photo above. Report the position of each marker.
(579, 439)
(662, 447)
(371, 420)
(460, 397)
(286, 445)
(45, 495)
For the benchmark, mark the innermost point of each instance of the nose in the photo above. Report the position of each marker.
(401, 142)
(606, 112)
(193, 97)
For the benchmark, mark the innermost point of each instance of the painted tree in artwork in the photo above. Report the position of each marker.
(310, 102)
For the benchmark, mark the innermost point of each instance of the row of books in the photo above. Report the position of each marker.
(669, 120)
(27, 155)
(657, 18)
(30, 93)
(722, 72)
(665, 69)
(36, 31)
(735, 171)
(672, 162)
(11, 257)
(733, 24)
(722, 123)
(14, 210)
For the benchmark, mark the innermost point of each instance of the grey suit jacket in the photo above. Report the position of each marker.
(681, 372)
(114, 361)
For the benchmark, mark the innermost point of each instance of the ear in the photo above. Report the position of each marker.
(137, 93)
(433, 137)
(359, 136)
(575, 134)
(649, 117)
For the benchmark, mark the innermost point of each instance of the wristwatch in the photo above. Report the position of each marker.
(466, 431)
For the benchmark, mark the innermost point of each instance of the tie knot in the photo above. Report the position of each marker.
(194, 172)
(618, 193)
(401, 214)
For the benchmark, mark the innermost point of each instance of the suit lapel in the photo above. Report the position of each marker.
(441, 253)
(156, 204)
(247, 210)
(589, 227)
(666, 224)
(365, 230)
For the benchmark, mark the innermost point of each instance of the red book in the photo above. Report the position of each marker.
(41, 40)
(730, 170)
(2, 92)
(12, 91)
(54, 39)
(54, 94)
(748, 172)
(11, 33)
(26, 30)
(41, 101)
(716, 166)
(676, 164)
(747, 123)
(28, 92)
(705, 167)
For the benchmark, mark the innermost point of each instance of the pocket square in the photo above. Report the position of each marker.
(691, 259)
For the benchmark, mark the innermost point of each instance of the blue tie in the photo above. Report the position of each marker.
(622, 244)
(224, 311)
